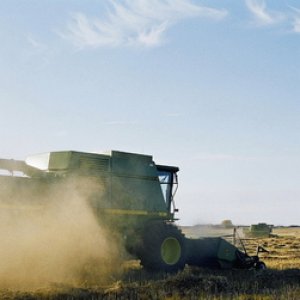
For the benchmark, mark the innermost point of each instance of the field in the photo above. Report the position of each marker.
(280, 281)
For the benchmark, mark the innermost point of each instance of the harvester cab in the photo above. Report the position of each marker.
(168, 180)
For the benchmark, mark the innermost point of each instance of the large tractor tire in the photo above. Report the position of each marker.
(163, 248)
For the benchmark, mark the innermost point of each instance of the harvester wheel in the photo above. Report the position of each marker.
(163, 248)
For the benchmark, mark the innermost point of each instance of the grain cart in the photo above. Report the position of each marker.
(126, 191)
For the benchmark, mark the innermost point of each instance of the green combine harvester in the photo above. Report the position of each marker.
(260, 230)
(127, 192)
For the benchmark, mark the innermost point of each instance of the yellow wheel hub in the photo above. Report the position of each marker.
(170, 251)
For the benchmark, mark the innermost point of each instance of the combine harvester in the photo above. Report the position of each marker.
(127, 192)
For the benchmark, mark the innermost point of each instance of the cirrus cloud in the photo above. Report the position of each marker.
(261, 14)
(134, 23)
(296, 22)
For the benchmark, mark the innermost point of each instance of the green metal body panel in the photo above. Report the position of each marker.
(211, 252)
(226, 254)
(124, 185)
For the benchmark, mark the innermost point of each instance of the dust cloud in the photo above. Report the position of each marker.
(56, 239)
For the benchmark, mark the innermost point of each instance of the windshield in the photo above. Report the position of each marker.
(167, 179)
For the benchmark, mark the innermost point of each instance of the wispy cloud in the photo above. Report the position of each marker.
(37, 45)
(134, 22)
(117, 123)
(261, 14)
(37, 52)
(173, 115)
(296, 22)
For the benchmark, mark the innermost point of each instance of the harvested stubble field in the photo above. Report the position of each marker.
(280, 281)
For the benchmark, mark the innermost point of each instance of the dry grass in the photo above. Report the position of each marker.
(283, 247)
(280, 281)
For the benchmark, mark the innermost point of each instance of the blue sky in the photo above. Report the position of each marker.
(209, 86)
